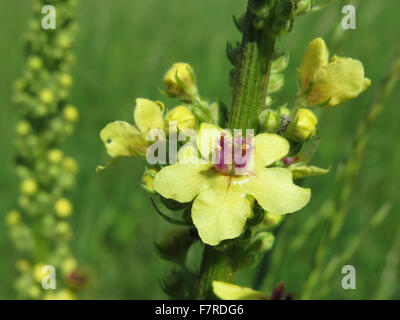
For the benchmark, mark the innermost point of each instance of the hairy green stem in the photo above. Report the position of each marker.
(216, 265)
(249, 94)
(252, 77)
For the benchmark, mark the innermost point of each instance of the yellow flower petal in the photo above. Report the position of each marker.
(181, 182)
(183, 117)
(220, 213)
(339, 81)
(148, 115)
(269, 148)
(230, 291)
(275, 191)
(122, 140)
(208, 138)
(315, 58)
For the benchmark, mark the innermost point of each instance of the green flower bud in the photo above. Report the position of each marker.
(70, 165)
(269, 120)
(13, 218)
(279, 64)
(23, 128)
(262, 242)
(302, 6)
(272, 220)
(64, 230)
(64, 41)
(276, 83)
(22, 265)
(35, 63)
(175, 245)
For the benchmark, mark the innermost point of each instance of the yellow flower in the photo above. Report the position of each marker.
(334, 81)
(124, 140)
(29, 187)
(304, 125)
(63, 208)
(183, 117)
(223, 193)
(230, 291)
(180, 81)
(71, 114)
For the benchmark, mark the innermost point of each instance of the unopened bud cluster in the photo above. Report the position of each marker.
(39, 227)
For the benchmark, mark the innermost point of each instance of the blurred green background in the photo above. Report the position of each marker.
(123, 49)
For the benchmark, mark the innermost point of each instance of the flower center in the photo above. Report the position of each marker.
(233, 156)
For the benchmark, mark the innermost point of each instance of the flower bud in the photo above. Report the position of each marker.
(65, 80)
(55, 156)
(29, 187)
(46, 96)
(13, 218)
(69, 265)
(63, 208)
(180, 81)
(34, 292)
(70, 165)
(64, 294)
(35, 63)
(71, 114)
(303, 125)
(19, 85)
(269, 120)
(276, 83)
(22, 265)
(302, 6)
(279, 64)
(148, 180)
(23, 128)
(37, 272)
(64, 230)
(272, 220)
(183, 117)
(174, 245)
(262, 242)
(64, 41)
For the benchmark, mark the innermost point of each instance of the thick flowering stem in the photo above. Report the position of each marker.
(252, 76)
(215, 266)
(249, 95)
